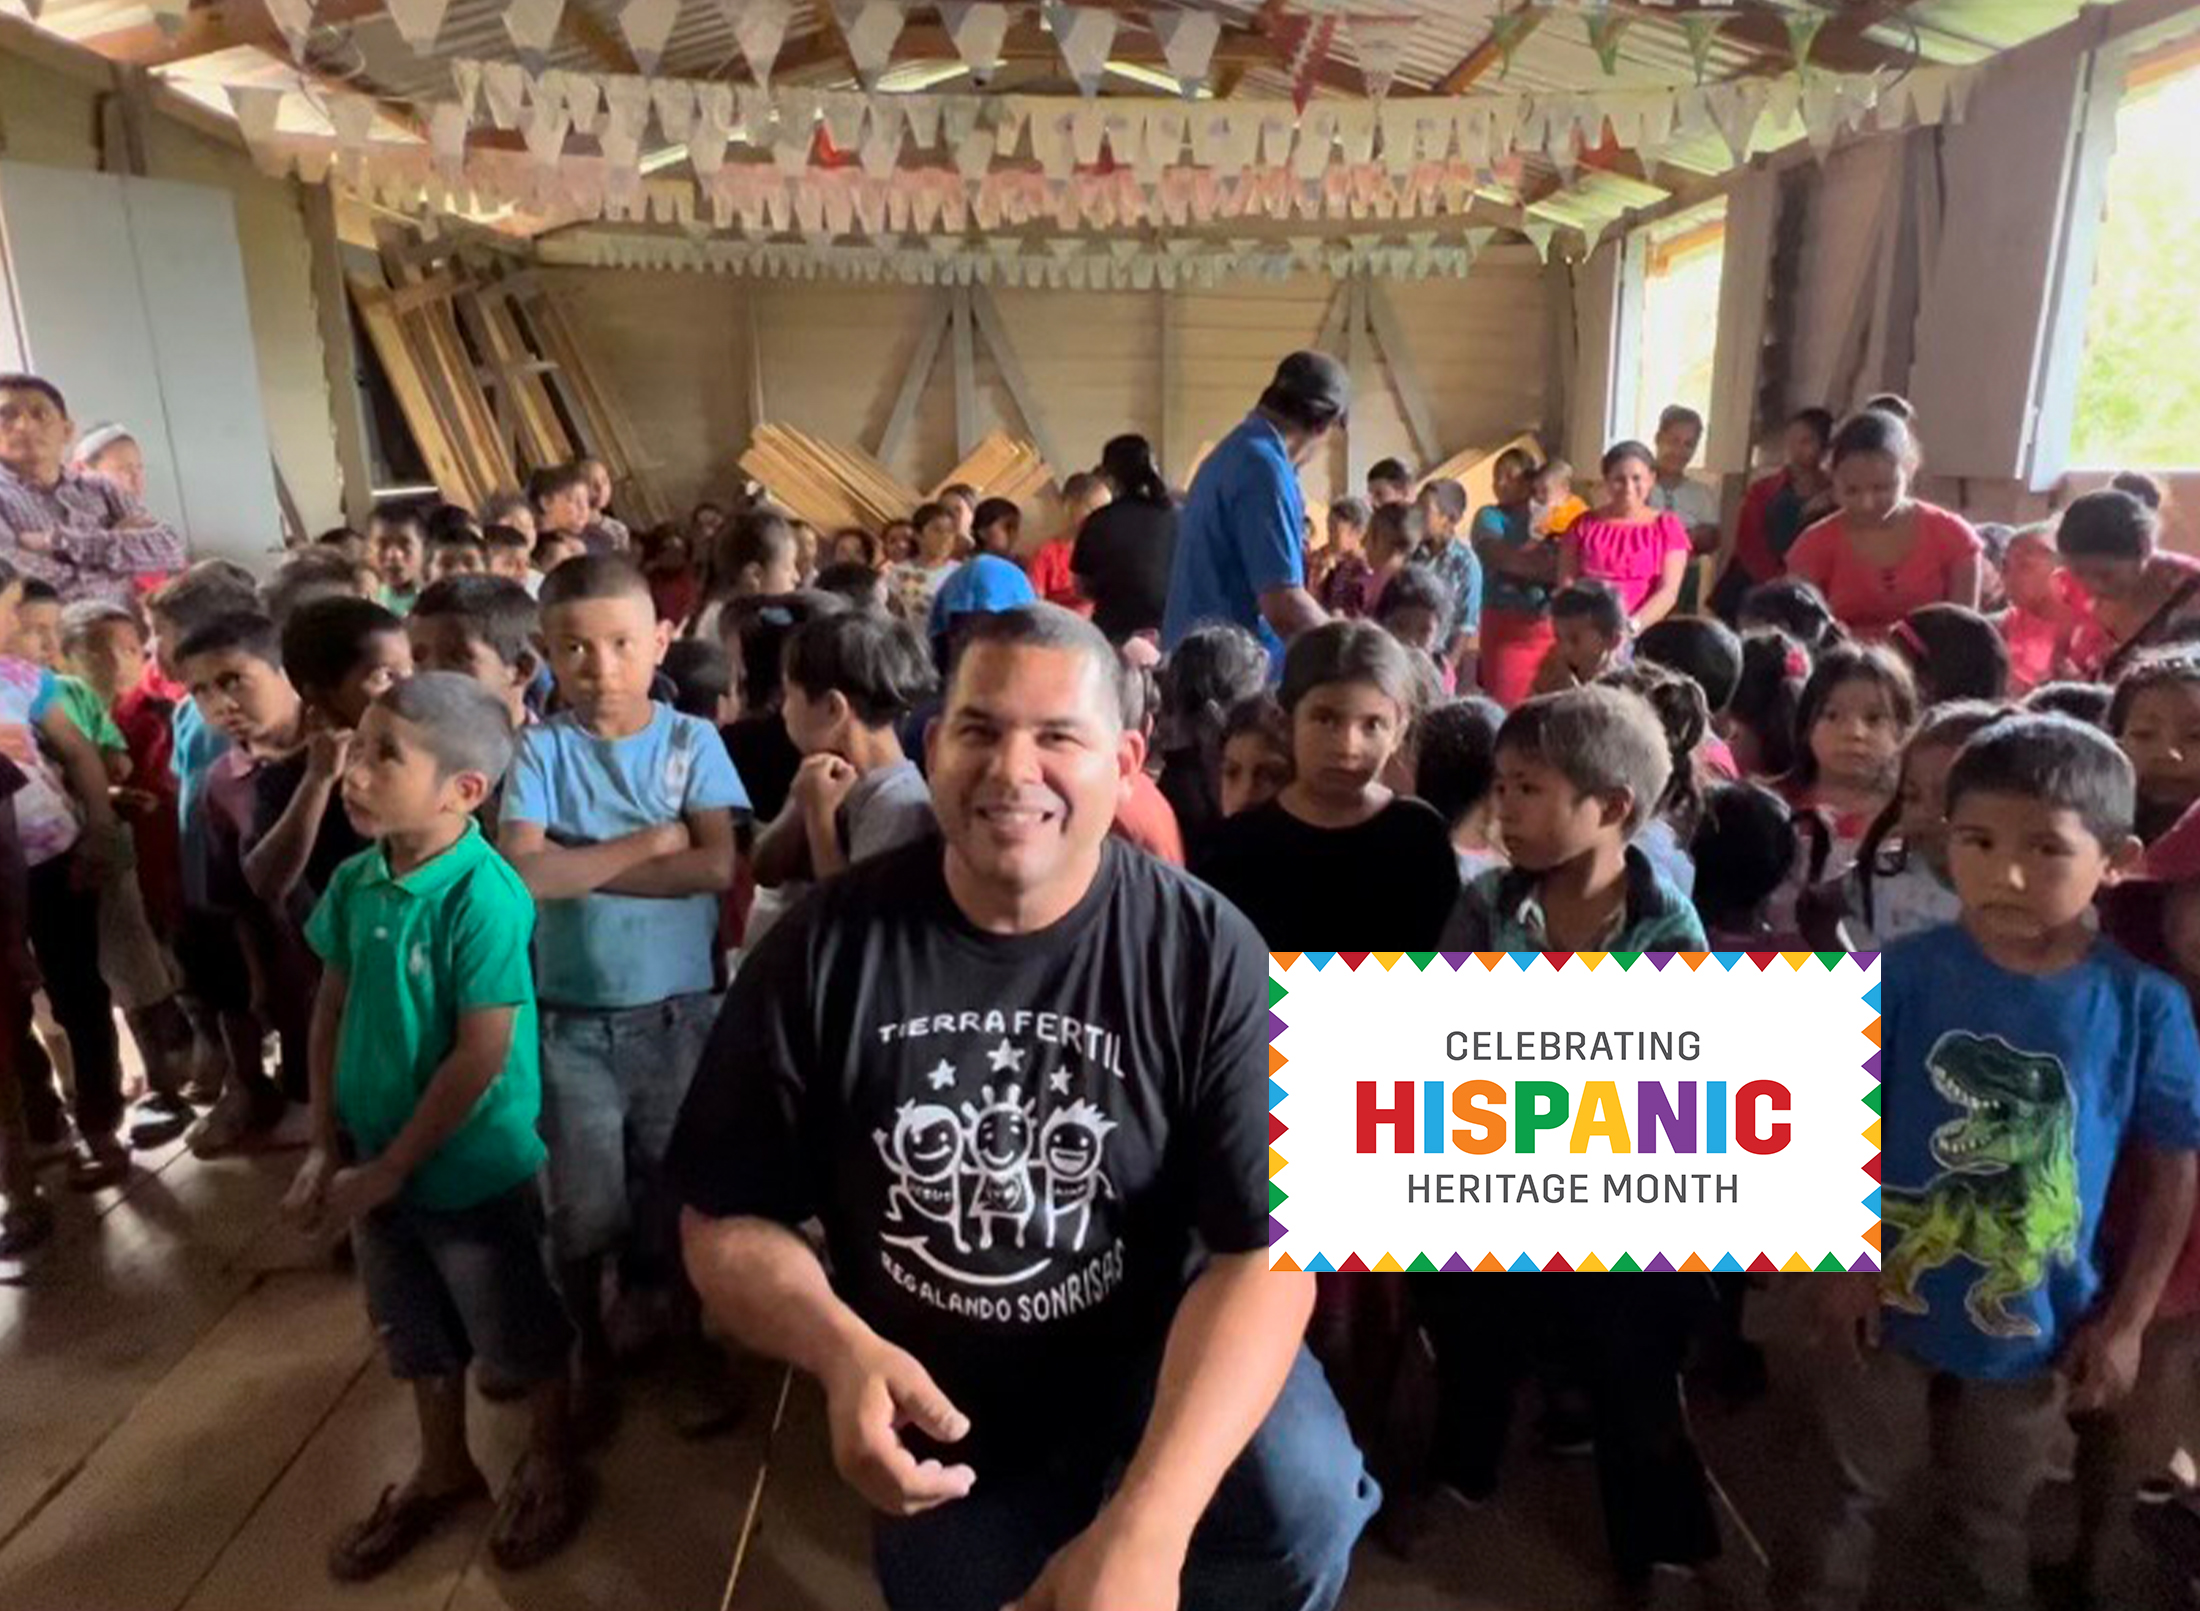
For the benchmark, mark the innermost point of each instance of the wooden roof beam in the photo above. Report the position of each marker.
(219, 26)
(1480, 60)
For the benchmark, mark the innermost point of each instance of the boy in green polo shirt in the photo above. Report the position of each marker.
(423, 1050)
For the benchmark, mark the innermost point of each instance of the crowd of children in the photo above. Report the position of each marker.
(469, 814)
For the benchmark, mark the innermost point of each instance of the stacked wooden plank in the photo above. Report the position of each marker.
(416, 339)
(825, 483)
(1002, 466)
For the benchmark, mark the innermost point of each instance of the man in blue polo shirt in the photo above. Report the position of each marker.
(1241, 540)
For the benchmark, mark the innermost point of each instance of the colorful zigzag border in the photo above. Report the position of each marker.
(1625, 1263)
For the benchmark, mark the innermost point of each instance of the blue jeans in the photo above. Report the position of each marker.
(1277, 1536)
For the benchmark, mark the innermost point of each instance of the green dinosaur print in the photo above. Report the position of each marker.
(2006, 1196)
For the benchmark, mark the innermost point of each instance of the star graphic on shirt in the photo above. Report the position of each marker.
(1059, 1082)
(1005, 1056)
(942, 1077)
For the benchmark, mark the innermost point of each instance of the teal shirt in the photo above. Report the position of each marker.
(89, 712)
(450, 937)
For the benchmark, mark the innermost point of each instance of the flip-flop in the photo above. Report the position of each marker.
(401, 1520)
(532, 1524)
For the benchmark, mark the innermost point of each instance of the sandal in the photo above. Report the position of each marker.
(24, 1226)
(542, 1508)
(402, 1519)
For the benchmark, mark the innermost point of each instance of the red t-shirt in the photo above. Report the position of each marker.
(1869, 599)
(1147, 820)
(146, 716)
(1053, 580)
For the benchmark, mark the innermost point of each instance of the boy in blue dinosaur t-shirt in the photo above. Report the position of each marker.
(2024, 1056)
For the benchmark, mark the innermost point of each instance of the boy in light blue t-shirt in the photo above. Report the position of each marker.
(618, 815)
(2025, 1059)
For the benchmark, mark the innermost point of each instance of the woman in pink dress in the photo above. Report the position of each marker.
(1641, 553)
(1884, 553)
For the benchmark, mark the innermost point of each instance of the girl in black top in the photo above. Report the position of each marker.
(1338, 861)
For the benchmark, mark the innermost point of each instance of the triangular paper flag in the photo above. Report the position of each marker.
(293, 17)
(1701, 28)
(1507, 30)
(759, 28)
(675, 102)
(1084, 35)
(1188, 40)
(1380, 44)
(870, 28)
(1735, 108)
(1802, 29)
(418, 22)
(546, 125)
(977, 30)
(169, 15)
(256, 109)
(533, 24)
(1539, 236)
(352, 117)
(1605, 31)
(504, 87)
(447, 137)
(583, 101)
(647, 24)
(466, 81)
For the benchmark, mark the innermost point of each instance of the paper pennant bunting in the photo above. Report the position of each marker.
(294, 18)
(1188, 40)
(647, 24)
(977, 31)
(1507, 30)
(583, 101)
(547, 122)
(1606, 29)
(257, 110)
(674, 99)
(447, 137)
(759, 28)
(1735, 108)
(870, 28)
(1305, 43)
(1700, 28)
(1380, 44)
(843, 116)
(466, 81)
(352, 117)
(1539, 236)
(533, 24)
(881, 148)
(1802, 32)
(626, 102)
(169, 15)
(1084, 35)
(418, 22)
(504, 87)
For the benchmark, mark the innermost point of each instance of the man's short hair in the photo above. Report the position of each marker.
(80, 620)
(1391, 473)
(246, 632)
(1079, 486)
(1600, 740)
(1354, 512)
(1592, 601)
(1679, 414)
(1449, 497)
(498, 507)
(544, 485)
(34, 383)
(880, 666)
(994, 510)
(211, 588)
(1696, 646)
(404, 517)
(498, 612)
(324, 639)
(461, 723)
(1044, 626)
(2059, 762)
(594, 576)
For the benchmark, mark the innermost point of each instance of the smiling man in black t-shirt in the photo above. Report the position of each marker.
(1021, 1078)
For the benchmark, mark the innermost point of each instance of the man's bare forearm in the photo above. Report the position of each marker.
(761, 1282)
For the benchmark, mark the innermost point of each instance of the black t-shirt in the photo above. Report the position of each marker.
(1123, 555)
(1385, 885)
(1013, 1142)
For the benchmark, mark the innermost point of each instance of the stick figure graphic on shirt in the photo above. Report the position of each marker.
(998, 1137)
(1070, 1144)
(925, 1156)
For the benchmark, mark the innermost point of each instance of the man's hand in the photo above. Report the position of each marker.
(669, 838)
(360, 1190)
(328, 748)
(821, 782)
(1110, 1566)
(2101, 1363)
(307, 1200)
(872, 1392)
(34, 542)
(1846, 1311)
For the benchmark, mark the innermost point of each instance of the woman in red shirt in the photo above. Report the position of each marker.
(1884, 553)
(1778, 509)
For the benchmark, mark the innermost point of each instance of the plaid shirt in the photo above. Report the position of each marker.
(1503, 911)
(1454, 561)
(89, 558)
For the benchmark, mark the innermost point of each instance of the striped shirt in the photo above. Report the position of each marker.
(88, 558)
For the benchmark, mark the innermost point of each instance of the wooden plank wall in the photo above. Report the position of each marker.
(677, 348)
